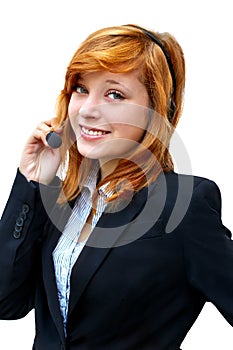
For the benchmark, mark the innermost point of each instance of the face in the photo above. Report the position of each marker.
(108, 114)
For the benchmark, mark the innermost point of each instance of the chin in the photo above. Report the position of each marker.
(88, 153)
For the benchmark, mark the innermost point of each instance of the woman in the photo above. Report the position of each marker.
(122, 253)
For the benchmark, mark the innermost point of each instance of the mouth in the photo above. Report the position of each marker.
(93, 131)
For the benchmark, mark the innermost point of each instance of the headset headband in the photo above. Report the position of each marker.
(170, 65)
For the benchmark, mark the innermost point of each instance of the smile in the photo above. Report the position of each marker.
(93, 132)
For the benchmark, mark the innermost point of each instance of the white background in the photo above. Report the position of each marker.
(37, 41)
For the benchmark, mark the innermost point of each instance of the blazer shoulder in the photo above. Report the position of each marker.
(198, 184)
(184, 192)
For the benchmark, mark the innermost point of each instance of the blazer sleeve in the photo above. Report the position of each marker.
(208, 249)
(21, 229)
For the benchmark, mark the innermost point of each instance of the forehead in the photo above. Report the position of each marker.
(131, 77)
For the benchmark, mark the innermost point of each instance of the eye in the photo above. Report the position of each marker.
(115, 95)
(80, 89)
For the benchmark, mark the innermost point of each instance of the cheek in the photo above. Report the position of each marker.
(128, 132)
(135, 116)
(73, 109)
(136, 128)
(71, 116)
(74, 106)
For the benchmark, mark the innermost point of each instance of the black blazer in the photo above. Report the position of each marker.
(141, 280)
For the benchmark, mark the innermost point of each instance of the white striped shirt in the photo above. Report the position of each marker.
(68, 248)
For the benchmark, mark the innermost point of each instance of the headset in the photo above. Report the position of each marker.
(172, 107)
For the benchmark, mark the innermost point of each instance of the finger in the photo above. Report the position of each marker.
(38, 137)
(44, 131)
(53, 137)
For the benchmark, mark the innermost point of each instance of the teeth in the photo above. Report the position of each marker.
(93, 132)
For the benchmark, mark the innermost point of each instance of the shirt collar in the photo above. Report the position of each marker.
(91, 181)
(92, 176)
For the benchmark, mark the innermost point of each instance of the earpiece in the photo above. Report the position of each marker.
(53, 139)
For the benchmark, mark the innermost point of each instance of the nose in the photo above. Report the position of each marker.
(90, 109)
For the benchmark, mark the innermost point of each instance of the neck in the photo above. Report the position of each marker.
(107, 167)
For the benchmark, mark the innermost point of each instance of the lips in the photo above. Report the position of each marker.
(93, 132)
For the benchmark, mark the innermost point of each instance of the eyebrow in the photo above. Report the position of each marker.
(111, 81)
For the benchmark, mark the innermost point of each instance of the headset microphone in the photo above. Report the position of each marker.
(53, 139)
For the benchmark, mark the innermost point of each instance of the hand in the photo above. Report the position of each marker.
(40, 162)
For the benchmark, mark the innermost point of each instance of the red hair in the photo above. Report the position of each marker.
(122, 49)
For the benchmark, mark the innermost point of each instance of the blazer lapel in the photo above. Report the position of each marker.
(52, 236)
(104, 237)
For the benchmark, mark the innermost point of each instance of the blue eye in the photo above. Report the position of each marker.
(115, 95)
(80, 89)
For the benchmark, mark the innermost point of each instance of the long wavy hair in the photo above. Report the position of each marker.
(121, 49)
